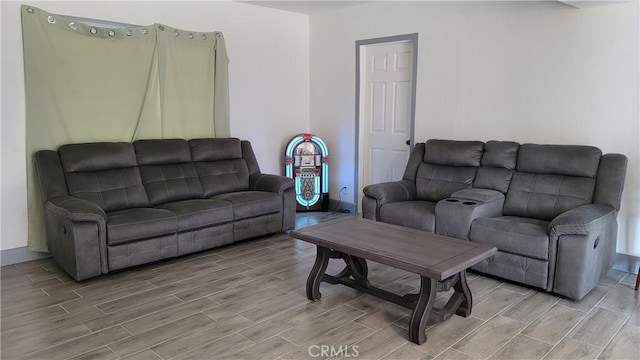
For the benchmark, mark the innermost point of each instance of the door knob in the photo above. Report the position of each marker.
(408, 142)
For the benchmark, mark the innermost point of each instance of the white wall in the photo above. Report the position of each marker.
(524, 71)
(268, 71)
(528, 72)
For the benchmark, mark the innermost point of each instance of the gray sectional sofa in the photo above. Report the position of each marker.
(110, 206)
(550, 210)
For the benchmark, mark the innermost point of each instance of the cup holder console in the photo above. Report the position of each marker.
(455, 214)
(464, 203)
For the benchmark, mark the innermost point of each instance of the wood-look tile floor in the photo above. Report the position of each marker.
(247, 301)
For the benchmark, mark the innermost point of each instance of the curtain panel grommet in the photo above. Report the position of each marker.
(93, 31)
(112, 33)
(30, 10)
(73, 26)
(127, 32)
(51, 19)
(145, 31)
(190, 36)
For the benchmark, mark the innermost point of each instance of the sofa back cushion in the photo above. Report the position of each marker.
(453, 152)
(105, 174)
(448, 166)
(569, 160)
(414, 162)
(215, 149)
(167, 171)
(610, 180)
(551, 179)
(497, 165)
(50, 174)
(220, 165)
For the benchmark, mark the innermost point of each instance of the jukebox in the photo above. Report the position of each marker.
(307, 163)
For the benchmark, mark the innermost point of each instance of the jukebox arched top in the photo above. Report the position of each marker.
(307, 162)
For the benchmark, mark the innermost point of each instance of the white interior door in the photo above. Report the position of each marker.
(386, 77)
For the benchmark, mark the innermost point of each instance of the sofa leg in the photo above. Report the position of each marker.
(638, 278)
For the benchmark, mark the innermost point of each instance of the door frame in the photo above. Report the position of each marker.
(360, 44)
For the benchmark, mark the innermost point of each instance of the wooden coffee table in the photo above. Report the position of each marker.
(439, 260)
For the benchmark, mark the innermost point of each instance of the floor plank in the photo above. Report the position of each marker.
(248, 300)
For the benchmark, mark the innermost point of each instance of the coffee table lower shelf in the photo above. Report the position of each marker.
(355, 275)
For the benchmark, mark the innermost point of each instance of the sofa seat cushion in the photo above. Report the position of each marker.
(247, 204)
(199, 213)
(512, 234)
(139, 223)
(419, 215)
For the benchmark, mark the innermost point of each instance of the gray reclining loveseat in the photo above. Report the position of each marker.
(550, 210)
(110, 206)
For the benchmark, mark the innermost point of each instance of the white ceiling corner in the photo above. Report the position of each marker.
(305, 7)
(584, 4)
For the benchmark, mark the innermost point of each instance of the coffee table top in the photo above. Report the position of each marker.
(420, 252)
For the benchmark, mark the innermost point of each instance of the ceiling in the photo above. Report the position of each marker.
(311, 7)
(305, 7)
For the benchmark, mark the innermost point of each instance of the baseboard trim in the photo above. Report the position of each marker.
(341, 206)
(20, 255)
(628, 263)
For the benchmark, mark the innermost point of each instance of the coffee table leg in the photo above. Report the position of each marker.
(317, 273)
(357, 267)
(362, 267)
(463, 288)
(420, 314)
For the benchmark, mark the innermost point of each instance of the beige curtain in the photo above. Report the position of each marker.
(87, 83)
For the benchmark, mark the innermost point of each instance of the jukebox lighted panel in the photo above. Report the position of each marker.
(307, 163)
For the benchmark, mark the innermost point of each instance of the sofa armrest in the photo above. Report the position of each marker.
(268, 182)
(77, 236)
(376, 195)
(283, 186)
(582, 220)
(403, 190)
(76, 209)
(583, 242)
